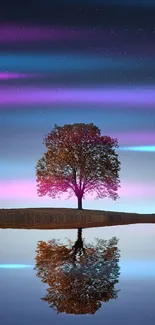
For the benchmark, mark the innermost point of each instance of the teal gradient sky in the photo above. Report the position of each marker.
(59, 70)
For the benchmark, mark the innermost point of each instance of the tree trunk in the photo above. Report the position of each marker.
(79, 235)
(79, 203)
(78, 246)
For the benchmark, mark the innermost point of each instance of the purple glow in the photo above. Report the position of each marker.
(126, 97)
(11, 75)
(14, 33)
(135, 138)
(26, 189)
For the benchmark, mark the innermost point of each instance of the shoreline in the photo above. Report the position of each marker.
(67, 218)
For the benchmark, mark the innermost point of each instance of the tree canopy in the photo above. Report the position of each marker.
(81, 287)
(79, 161)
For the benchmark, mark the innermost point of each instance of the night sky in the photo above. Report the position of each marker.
(77, 61)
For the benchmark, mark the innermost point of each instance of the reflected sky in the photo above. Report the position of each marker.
(140, 247)
(135, 269)
(137, 250)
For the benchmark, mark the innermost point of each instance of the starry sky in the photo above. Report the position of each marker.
(71, 62)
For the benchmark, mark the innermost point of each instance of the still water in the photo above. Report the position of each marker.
(130, 300)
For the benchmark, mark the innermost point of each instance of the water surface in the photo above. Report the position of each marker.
(21, 290)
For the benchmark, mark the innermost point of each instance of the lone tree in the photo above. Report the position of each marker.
(79, 161)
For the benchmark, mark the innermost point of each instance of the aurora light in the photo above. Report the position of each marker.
(15, 266)
(126, 97)
(68, 63)
(67, 69)
(139, 148)
(19, 33)
(135, 139)
(26, 189)
(12, 75)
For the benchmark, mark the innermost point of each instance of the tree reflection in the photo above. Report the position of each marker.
(80, 277)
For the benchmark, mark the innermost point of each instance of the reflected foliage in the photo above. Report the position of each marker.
(78, 283)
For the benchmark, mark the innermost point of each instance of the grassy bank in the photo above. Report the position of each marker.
(63, 218)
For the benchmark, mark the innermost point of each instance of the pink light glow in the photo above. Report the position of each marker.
(26, 189)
